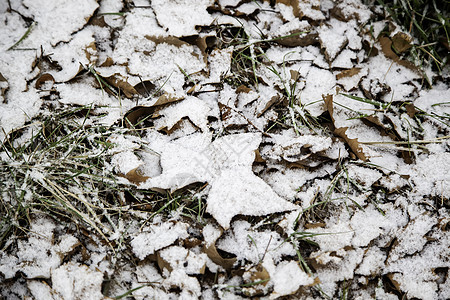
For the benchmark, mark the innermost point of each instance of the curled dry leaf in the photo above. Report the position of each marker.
(410, 110)
(162, 263)
(401, 42)
(386, 47)
(119, 82)
(352, 143)
(136, 114)
(213, 254)
(3, 86)
(44, 78)
(145, 88)
(135, 176)
(348, 73)
(257, 279)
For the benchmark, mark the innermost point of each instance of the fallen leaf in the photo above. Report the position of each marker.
(118, 81)
(145, 88)
(137, 113)
(213, 254)
(410, 110)
(257, 278)
(226, 164)
(243, 89)
(135, 176)
(162, 263)
(348, 73)
(352, 143)
(275, 99)
(401, 42)
(46, 77)
(386, 47)
(238, 191)
(3, 86)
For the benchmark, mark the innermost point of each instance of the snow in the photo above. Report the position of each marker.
(75, 281)
(244, 172)
(156, 237)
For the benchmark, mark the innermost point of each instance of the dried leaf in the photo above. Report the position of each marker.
(226, 263)
(165, 99)
(171, 40)
(133, 116)
(258, 157)
(46, 77)
(295, 39)
(401, 42)
(386, 47)
(258, 278)
(348, 73)
(107, 63)
(118, 81)
(410, 110)
(162, 263)
(295, 75)
(3, 86)
(315, 225)
(91, 53)
(145, 88)
(243, 89)
(272, 101)
(204, 43)
(352, 143)
(135, 176)
(293, 4)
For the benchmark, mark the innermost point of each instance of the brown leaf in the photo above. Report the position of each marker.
(272, 101)
(352, 143)
(171, 40)
(145, 88)
(107, 63)
(410, 110)
(91, 53)
(295, 39)
(348, 73)
(386, 47)
(133, 116)
(98, 21)
(226, 263)
(256, 274)
(315, 225)
(225, 112)
(165, 99)
(46, 77)
(135, 176)
(295, 75)
(204, 43)
(162, 263)
(258, 157)
(243, 89)
(293, 4)
(3, 87)
(401, 42)
(375, 122)
(118, 81)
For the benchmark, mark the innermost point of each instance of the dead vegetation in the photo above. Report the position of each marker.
(277, 149)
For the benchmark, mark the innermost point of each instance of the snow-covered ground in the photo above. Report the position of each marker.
(296, 158)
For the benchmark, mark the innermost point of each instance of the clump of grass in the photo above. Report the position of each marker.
(58, 167)
(429, 23)
(55, 167)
